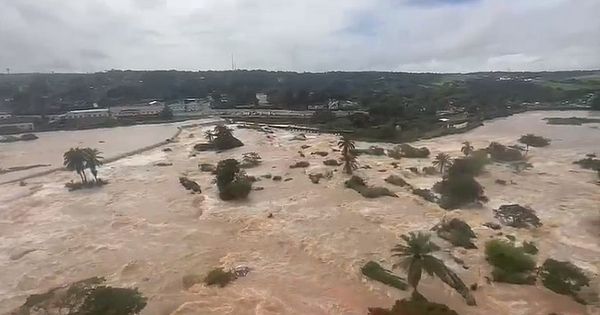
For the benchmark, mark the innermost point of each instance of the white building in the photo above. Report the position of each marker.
(262, 99)
(87, 113)
(16, 126)
(135, 111)
(5, 115)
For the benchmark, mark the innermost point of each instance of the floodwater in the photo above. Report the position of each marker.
(48, 149)
(145, 230)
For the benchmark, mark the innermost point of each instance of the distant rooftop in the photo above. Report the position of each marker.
(87, 111)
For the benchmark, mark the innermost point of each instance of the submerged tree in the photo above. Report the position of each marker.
(80, 159)
(209, 135)
(467, 148)
(442, 160)
(534, 141)
(346, 146)
(416, 256)
(75, 160)
(93, 160)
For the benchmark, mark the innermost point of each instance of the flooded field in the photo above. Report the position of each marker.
(144, 230)
(48, 149)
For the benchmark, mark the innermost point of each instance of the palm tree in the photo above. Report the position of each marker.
(75, 160)
(347, 145)
(93, 160)
(415, 256)
(442, 160)
(467, 148)
(209, 135)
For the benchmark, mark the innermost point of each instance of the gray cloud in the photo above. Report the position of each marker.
(301, 35)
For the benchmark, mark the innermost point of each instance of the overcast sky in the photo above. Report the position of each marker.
(299, 35)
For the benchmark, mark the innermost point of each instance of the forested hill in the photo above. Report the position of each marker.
(382, 92)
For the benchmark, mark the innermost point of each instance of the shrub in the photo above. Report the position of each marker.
(226, 172)
(376, 192)
(301, 164)
(219, 277)
(108, 300)
(530, 248)
(457, 232)
(28, 137)
(511, 264)
(471, 166)
(396, 180)
(412, 152)
(502, 153)
(239, 188)
(395, 153)
(206, 167)
(425, 194)
(250, 159)
(517, 216)
(359, 185)
(88, 297)
(589, 163)
(232, 183)
(225, 141)
(354, 182)
(320, 153)
(372, 150)
(332, 162)
(459, 190)
(373, 270)
(190, 184)
(417, 305)
(563, 277)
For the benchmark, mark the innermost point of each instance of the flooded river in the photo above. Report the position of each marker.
(145, 230)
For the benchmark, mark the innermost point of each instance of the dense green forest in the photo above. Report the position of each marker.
(385, 94)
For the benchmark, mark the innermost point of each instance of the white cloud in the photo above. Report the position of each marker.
(301, 35)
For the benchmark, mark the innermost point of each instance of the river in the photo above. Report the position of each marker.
(145, 230)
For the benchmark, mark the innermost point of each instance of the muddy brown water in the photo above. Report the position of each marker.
(145, 230)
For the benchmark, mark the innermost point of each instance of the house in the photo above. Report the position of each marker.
(342, 105)
(136, 111)
(263, 100)
(317, 107)
(16, 125)
(87, 113)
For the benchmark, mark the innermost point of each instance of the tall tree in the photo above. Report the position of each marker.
(467, 148)
(209, 135)
(534, 141)
(347, 145)
(442, 160)
(416, 255)
(93, 160)
(75, 160)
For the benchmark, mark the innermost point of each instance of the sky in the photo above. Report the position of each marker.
(300, 35)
